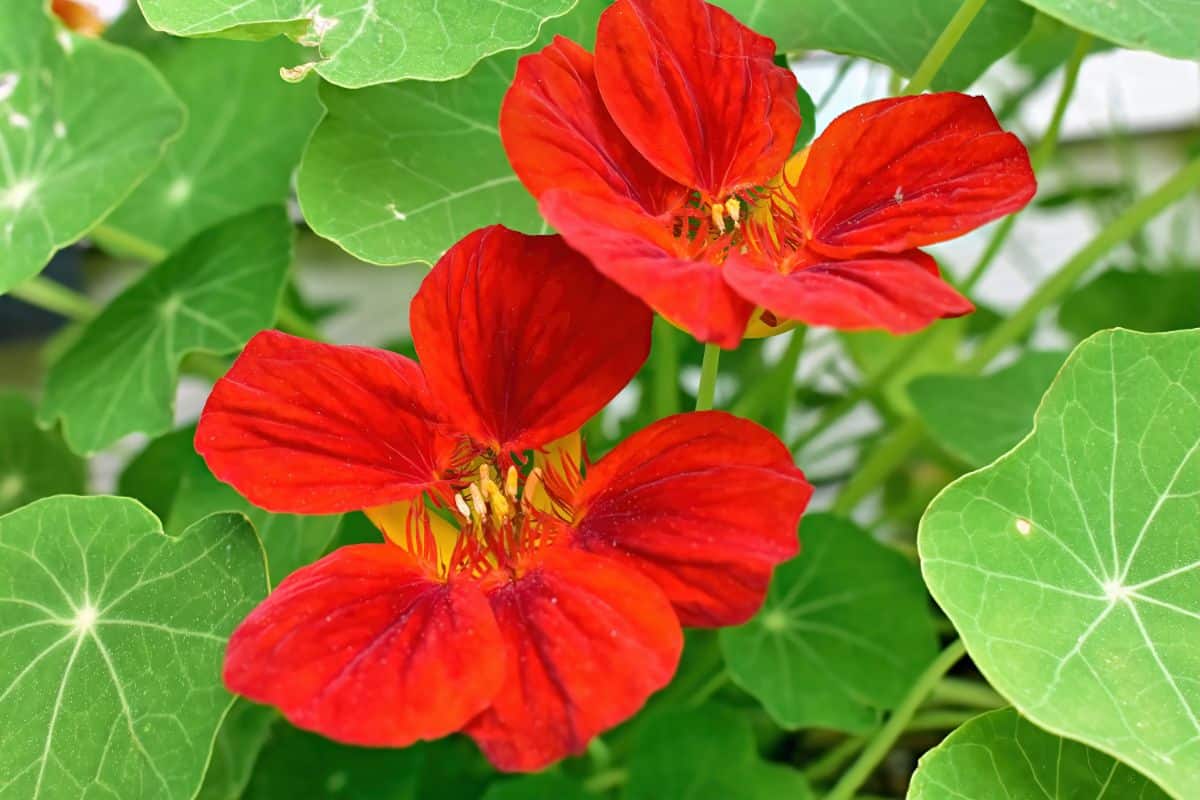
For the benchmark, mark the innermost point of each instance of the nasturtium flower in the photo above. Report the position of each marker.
(522, 594)
(665, 158)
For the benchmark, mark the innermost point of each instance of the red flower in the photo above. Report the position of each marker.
(536, 605)
(662, 159)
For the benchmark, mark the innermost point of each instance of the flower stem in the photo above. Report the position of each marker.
(122, 242)
(971, 694)
(665, 386)
(891, 453)
(290, 321)
(52, 296)
(886, 736)
(944, 45)
(710, 687)
(1038, 158)
(605, 781)
(708, 377)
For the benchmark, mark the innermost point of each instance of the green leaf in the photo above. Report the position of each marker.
(843, 634)
(363, 42)
(212, 295)
(236, 750)
(705, 753)
(245, 132)
(904, 358)
(114, 635)
(537, 787)
(979, 418)
(152, 476)
(898, 36)
(387, 174)
(1071, 566)
(66, 159)
(999, 754)
(33, 463)
(1170, 27)
(1138, 299)
(298, 764)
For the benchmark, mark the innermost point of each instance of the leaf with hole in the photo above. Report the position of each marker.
(844, 632)
(33, 463)
(1000, 754)
(363, 42)
(1071, 566)
(66, 160)
(896, 35)
(114, 636)
(212, 295)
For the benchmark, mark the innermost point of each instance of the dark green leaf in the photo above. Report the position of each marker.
(1138, 299)
(33, 463)
(235, 750)
(537, 787)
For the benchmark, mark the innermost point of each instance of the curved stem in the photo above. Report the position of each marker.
(708, 377)
(971, 694)
(122, 242)
(52, 296)
(944, 45)
(882, 741)
(1038, 158)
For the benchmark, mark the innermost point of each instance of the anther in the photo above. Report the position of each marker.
(718, 216)
(477, 501)
(461, 505)
(532, 484)
(735, 211)
(510, 482)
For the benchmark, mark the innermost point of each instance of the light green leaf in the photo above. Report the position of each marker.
(896, 35)
(1071, 566)
(1000, 754)
(113, 638)
(245, 132)
(705, 753)
(396, 174)
(892, 362)
(236, 750)
(212, 295)
(844, 632)
(979, 418)
(66, 158)
(1170, 27)
(33, 463)
(363, 42)
(1137, 299)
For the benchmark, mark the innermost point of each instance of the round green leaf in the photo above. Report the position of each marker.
(844, 632)
(114, 635)
(1000, 754)
(67, 160)
(239, 147)
(979, 418)
(1137, 299)
(377, 41)
(1170, 27)
(386, 175)
(1071, 566)
(221, 288)
(33, 463)
(898, 36)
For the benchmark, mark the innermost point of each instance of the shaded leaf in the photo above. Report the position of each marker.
(537, 787)
(844, 632)
(66, 160)
(1071, 566)
(212, 295)
(235, 750)
(1137, 299)
(114, 636)
(33, 463)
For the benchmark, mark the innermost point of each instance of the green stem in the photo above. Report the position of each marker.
(940, 720)
(1038, 158)
(290, 321)
(122, 242)
(602, 782)
(944, 45)
(665, 369)
(881, 742)
(971, 694)
(787, 367)
(892, 452)
(777, 385)
(45, 293)
(834, 759)
(205, 365)
(708, 377)
(709, 688)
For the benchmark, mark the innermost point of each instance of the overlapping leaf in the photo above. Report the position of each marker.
(398, 173)
(212, 295)
(114, 636)
(1071, 566)
(67, 159)
(363, 42)
(844, 632)
(898, 36)
(1170, 27)
(33, 463)
(1141, 300)
(1000, 754)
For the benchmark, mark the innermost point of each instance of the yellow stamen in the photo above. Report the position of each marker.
(462, 506)
(477, 502)
(718, 216)
(510, 482)
(532, 484)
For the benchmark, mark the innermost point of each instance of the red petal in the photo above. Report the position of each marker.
(365, 647)
(640, 254)
(521, 340)
(705, 504)
(558, 134)
(697, 92)
(898, 293)
(910, 171)
(590, 640)
(308, 428)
